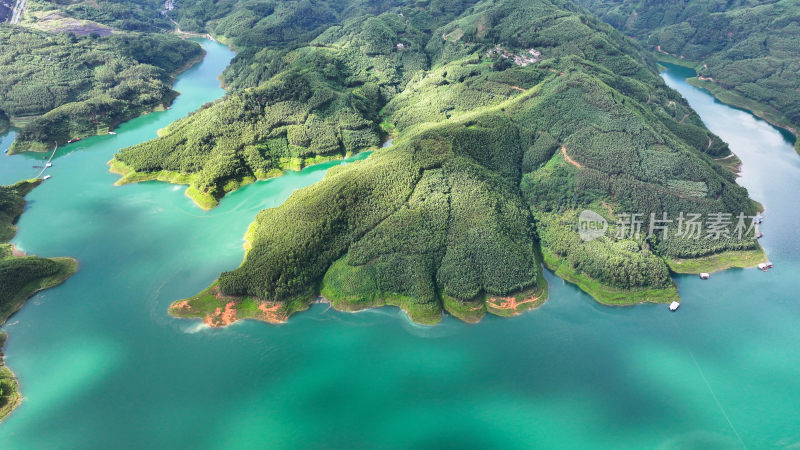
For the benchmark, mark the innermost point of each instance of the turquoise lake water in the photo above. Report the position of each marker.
(102, 365)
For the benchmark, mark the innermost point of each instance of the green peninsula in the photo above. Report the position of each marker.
(510, 117)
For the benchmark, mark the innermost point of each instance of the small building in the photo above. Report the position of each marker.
(705, 276)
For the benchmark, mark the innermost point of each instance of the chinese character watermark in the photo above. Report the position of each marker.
(711, 226)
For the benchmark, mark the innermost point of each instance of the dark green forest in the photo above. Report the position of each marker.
(748, 48)
(509, 117)
(62, 86)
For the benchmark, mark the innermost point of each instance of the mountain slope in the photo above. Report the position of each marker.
(510, 117)
(745, 51)
(61, 87)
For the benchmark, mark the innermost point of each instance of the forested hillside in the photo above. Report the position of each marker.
(746, 50)
(125, 15)
(20, 277)
(509, 118)
(61, 86)
(317, 101)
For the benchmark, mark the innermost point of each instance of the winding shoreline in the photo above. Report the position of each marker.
(166, 102)
(207, 201)
(734, 100)
(69, 267)
(737, 101)
(218, 311)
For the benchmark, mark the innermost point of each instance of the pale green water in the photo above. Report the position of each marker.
(103, 366)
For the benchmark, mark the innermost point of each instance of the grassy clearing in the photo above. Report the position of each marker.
(200, 305)
(57, 22)
(716, 263)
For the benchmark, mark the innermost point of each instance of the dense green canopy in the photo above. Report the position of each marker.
(74, 86)
(508, 117)
(748, 47)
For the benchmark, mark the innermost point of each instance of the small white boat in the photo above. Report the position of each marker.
(765, 266)
(674, 306)
(111, 133)
(705, 276)
(47, 177)
(48, 165)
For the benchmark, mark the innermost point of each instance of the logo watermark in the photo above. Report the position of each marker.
(591, 225)
(712, 226)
